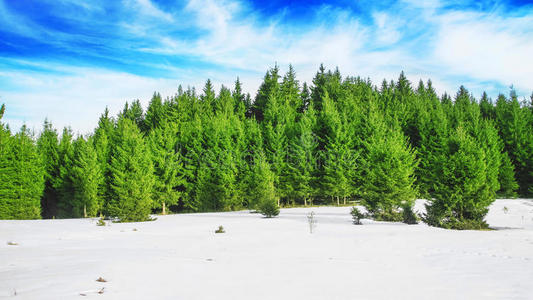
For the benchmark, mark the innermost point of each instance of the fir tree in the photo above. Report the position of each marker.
(131, 172)
(168, 166)
(86, 177)
(262, 196)
(48, 148)
(302, 162)
(388, 170)
(63, 183)
(21, 174)
(506, 177)
(460, 197)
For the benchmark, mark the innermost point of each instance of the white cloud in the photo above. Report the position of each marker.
(480, 50)
(487, 47)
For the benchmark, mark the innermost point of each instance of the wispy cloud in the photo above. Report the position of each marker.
(93, 54)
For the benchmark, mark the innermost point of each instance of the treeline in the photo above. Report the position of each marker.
(337, 140)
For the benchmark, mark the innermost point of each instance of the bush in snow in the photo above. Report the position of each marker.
(269, 208)
(357, 216)
(466, 178)
(220, 229)
(409, 216)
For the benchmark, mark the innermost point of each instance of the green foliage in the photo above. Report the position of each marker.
(462, 192)
(131, 172)
(168, 166)
(86, 177)
(220, 229)
(357, 215)
(101, 222)
(338, 139)
(48, 148)
(269, 208)
(261, 184)
(388, 172)
(63, 182)
(21, 176)
(409, 216)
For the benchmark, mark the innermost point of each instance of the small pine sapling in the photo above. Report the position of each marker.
(220, 229)
(356, 216)
(269, 208)
(101, 222)
(409, 216)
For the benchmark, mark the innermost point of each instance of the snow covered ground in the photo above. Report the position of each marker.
(180, 257)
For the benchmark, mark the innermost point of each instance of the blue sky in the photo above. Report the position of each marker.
(67, 60)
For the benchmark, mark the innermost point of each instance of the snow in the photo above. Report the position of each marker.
(180, 257)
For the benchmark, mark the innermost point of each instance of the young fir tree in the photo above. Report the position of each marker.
(516, 131)
(506, 177)
(461, 194)
(339, 156)
(63, 183)
(270, 86)
(302, 162)
(21, 174)
(263, 196)
(7, 170)
(155, 113)
(135, 113)
(101, 141)
(168, 166)
(388, 167)
(86, 177)
(48, 148)
(132, 174)
(217, 182)
(253, 146)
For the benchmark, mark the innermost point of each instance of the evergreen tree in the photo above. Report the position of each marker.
(86, 177)
(168, 166)
(63, 183)
(268, 89)
(21, 175)
(131, 172)
(155, 113)
(48, 148)
(506, 177)
(302, 162)
(388, 168)
(516, 131)
(461, 193)
(262, 194)
(135, 113)
(339, 157)
(101, 141)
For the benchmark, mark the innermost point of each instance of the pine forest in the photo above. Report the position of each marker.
(336, 141)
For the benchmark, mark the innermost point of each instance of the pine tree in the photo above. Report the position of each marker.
(7, 170)
(63, 183)
(262, 196)
(388, 167)
(338, 156)
(131, 172)
(516, 131)
(268, 88)
(21, 174)
(155, 113)
(86, 177)
(506, 177)
(461, 196)
(101, 141)
(48, 148)
(168, 166)
(302, 161)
